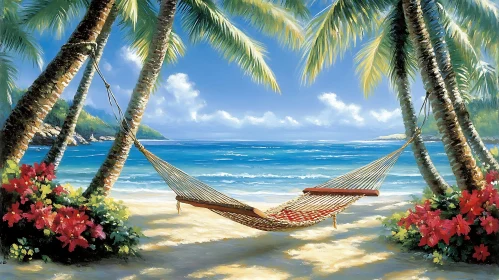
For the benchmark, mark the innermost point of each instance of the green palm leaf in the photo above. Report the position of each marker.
(373, 61)
(129, 9)
(268, 18)
(8, 74)
(336, 29)
(16, 39)
(53, 15)
(140, 34)
(296, 7)
(205, 22)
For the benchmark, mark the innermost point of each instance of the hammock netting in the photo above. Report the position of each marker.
(313, 206)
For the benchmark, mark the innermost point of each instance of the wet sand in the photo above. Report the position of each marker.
(198, 244)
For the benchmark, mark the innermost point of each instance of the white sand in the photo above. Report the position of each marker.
(198, 244)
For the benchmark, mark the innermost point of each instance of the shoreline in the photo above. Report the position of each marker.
(199, 244)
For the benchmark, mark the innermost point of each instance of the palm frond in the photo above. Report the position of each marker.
(297, 7)
(481, 16)
(53, 15)
(203, 21)
(373, 61)
(14, 38)
(140, 35)
(269, 18)
(337, 28)
(8, 75)
(403, 63)
(129, 9)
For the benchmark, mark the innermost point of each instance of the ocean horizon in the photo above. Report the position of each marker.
(264, 171)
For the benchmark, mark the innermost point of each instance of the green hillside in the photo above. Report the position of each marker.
(89, 124)
(486, 121)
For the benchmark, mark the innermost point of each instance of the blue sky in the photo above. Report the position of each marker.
(205, 97)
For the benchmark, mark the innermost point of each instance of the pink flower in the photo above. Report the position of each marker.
(97, 231)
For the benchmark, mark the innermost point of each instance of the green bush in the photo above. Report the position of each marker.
(44, 220)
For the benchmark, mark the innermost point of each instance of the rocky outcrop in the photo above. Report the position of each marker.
(92, 139)
(107, 138)
(47, 135)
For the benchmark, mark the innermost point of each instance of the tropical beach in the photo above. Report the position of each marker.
(249, 139)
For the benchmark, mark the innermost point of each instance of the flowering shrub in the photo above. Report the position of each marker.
(44, 220)
(460, 225)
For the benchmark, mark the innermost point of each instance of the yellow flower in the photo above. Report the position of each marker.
(402, 234)
(494, 151)
(48, 201)
(437, 258)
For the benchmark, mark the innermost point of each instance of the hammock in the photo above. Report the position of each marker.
(313, 206)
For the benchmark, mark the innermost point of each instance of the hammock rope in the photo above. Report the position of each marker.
(316, 204)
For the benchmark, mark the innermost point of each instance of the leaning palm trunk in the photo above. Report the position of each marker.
(54, 156)
(27, 117)
(449, 76)
(111, 168)
(400, 78)
(468, 175)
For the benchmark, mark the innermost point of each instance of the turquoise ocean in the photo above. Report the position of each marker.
(249, 170)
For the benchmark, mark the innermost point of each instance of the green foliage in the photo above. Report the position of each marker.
(88, 124)
(45, 217)
(485, 119)
(204, 21)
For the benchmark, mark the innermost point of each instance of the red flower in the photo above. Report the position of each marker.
(97, 231)
(44, 171)
(18, 185)
(461, 226)
(492, 176)
(59, 190)
(490, 196)
(14, 215)
(490, 224)
(470, 203)
(481, 252)
(428, 236)
(43, 216)
(28, 171)
(72, 237)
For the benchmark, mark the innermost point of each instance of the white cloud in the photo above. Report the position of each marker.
(268, 119)
(385, 116)
(337, 111)
(128, 54)
(122, 91)
(182, 103)
(107, 66)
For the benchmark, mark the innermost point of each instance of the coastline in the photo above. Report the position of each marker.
(429, 138)
(198, 244)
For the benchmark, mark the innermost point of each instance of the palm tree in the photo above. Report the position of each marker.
(204, 21)
(338, 27)
(14, 40)
(449, 75)
(134, 16)
(54, 156)
(28, 115)
(464, 167)
(389, 53)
